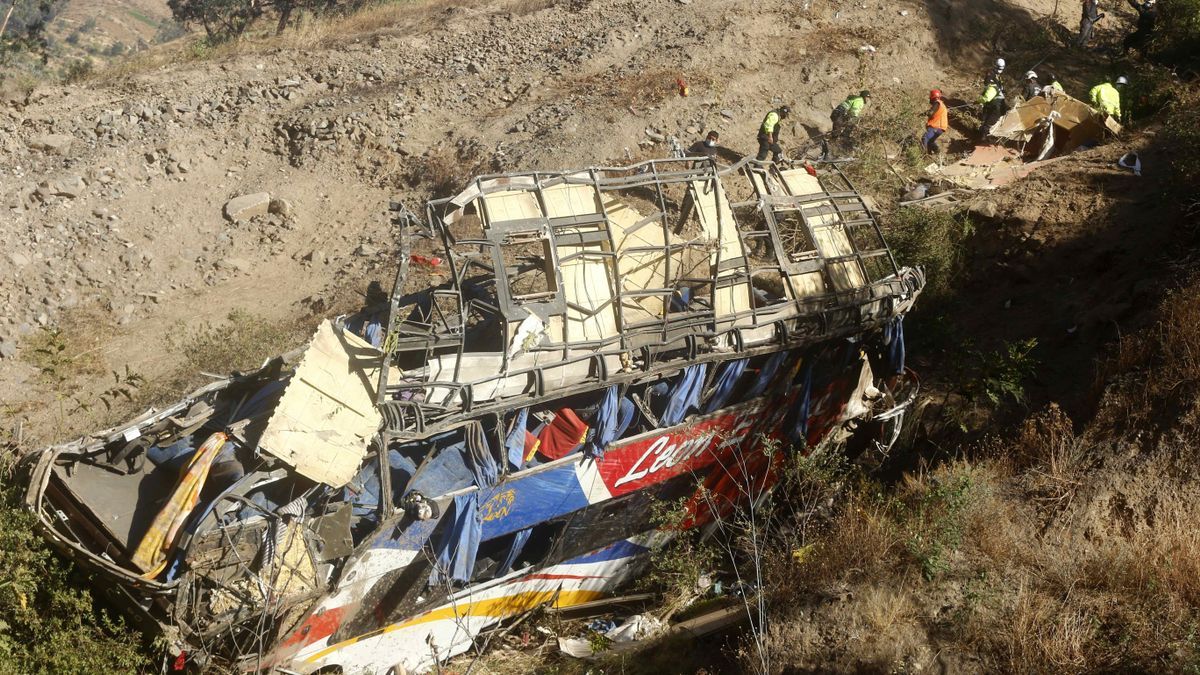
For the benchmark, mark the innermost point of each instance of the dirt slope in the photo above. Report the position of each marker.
(121, 218)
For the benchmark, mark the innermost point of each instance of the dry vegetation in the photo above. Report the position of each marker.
(1043, 553)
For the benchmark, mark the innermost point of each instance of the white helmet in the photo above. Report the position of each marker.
(1122, 80)
(1000, 64)
(1031, 75)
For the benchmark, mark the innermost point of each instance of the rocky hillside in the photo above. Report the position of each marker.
(114, 189)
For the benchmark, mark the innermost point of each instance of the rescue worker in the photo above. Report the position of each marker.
(1106, 97)
(992, 99)
(705, 148)
(1032, 88)
(937, 122)
(1147, 17)
(768, 134)
(847, 113)
(1054, 87)
(997, 70)
(1087, 23)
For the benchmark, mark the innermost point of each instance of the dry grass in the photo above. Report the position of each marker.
(639, 89)
(1158, 364)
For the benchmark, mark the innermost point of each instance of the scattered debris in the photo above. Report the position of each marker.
(1131, 161)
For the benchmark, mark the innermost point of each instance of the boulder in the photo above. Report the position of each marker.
(281, 207)
(244, 208)
(65, 186)
(58, 144)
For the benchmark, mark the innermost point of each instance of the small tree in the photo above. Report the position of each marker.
(220, 18)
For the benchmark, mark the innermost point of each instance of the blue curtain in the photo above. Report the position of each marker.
(800, 420)
(480, 459)
(726, 381)
(893, 338)
(514, 443)
(604, 424)
(459, 544)
(766, 375)
(684, 395)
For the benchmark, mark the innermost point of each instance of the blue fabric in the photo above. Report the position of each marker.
(625, 416)
(374, 333)
(680, 299)
(684, 395)
(480, 460)
(448, 470)
(893, 338)
(604, 425)
(171, 457)
(264, 399)
(514, 443)
(799, 428)
(518, 543)
(766, 375)
(726, 381)
(459, 543)
(363, 491)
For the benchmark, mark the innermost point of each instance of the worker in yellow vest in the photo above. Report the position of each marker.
(768, 134)
(846, 114)
(993, 101)
(1106, 97)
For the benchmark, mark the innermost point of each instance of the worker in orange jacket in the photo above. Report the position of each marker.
(937, 122)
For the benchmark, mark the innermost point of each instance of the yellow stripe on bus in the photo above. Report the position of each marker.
(503, 606)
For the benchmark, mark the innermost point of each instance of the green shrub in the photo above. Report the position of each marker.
(936, 518)
(931, 239)
(47, 624)
(1182, 135)
(1177, 36)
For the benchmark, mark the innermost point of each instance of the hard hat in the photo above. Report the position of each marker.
(1122, 80)
(1031, 75)
(935, 94)
(784, 111)
(865, 93)
(1000, 64)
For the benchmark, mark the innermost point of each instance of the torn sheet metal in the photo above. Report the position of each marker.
(1075, 123)
(987, 168)
(327, 415)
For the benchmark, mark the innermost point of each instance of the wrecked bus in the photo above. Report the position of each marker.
(488, 438)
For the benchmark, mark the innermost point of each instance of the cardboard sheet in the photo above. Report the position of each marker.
(327, 416)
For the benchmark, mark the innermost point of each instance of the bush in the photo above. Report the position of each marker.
(932, 239)
(1177, 39)
(1182, 135)
(241, 343)
(224, 19)
(47, 625)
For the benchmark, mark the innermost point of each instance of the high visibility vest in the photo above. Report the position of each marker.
(1106, 98)
(990, 93)
(852, 106)
(769, 122)
(941, 117)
